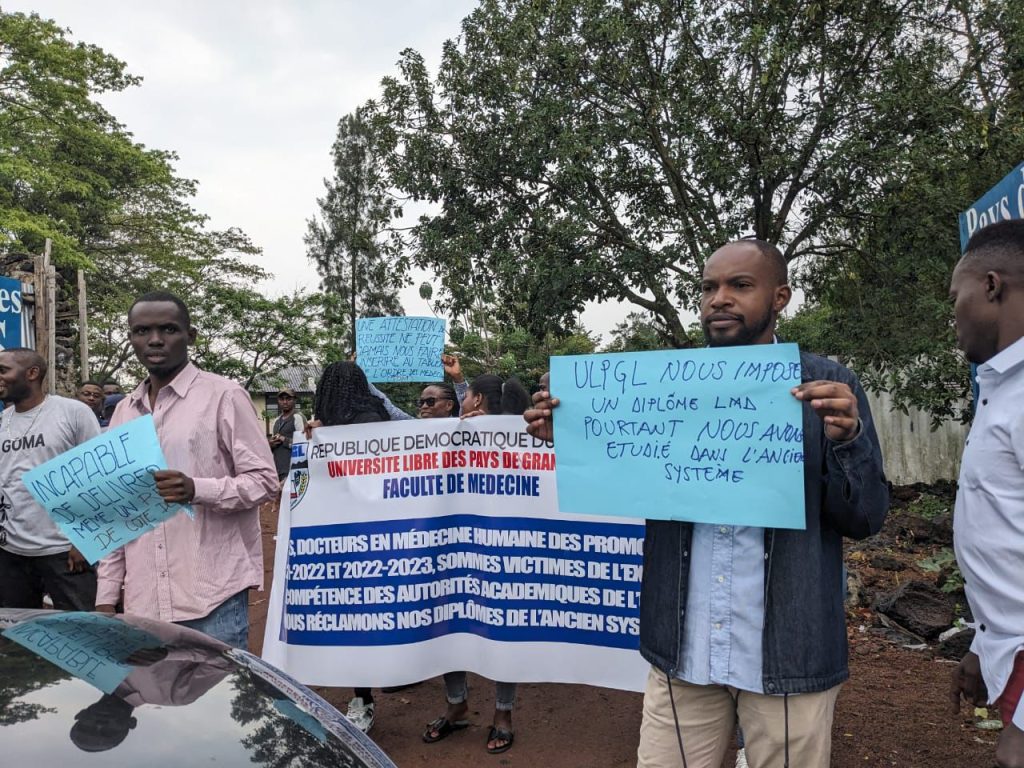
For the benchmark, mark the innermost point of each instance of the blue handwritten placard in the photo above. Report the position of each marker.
(400, 348)
(91, 646)
(706, 435)
(102, 493)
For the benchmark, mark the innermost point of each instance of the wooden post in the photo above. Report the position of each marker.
(41, 314)
(51, 319)
(83, 328)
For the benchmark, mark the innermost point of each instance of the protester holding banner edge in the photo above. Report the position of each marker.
(193, 572)
(784, 640)
(35, 557)
(344, 396)
(487, 394)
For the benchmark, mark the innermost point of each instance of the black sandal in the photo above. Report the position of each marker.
(500, 734)
(444, 728)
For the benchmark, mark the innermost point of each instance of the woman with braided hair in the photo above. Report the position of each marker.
(343, 397)
(487, 394)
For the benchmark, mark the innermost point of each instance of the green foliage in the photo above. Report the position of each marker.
(809, 327)
(929, 506)
(200, 267)
(360, 272)
(485, 346)
(69, 171)
(515, 352)
(243, 335)
(944, 562)
(637, 333)
(886, 296)
(584, 150)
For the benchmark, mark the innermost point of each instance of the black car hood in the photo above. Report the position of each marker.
(87, 689)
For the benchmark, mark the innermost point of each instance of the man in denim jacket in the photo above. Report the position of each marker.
(747, 624)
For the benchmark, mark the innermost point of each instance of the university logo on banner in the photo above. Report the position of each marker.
(299, 474)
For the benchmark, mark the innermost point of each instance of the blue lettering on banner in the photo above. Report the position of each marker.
(507, 579)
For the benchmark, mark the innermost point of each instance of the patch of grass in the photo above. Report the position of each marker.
(944, 561)
(929, 507)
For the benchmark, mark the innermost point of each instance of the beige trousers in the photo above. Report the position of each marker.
(707, 723)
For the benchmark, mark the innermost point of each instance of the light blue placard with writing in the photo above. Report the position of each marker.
(400, 348)
(102, 493)
(707, 435)
(90, 646)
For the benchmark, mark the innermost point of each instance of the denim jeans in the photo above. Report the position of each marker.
(228, 622)
(457, 691)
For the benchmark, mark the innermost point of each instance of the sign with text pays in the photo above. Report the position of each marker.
(707, 435)
(102, 493)
(1005, 201)
(407, 549)
(393, 349)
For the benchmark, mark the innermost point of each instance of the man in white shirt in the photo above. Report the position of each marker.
(987, 291)
(35, 557)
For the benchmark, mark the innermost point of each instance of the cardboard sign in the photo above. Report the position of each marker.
(102, 493)
(706, 435)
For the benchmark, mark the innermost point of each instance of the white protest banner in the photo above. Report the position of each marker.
(408, 549)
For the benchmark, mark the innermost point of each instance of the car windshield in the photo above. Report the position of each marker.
(140, 693)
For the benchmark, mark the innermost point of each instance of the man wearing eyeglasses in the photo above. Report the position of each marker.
(288, 423)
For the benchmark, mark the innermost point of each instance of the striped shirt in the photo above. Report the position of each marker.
(184, 569)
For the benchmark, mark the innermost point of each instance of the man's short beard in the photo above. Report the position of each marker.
(21, 392)
(746, 335)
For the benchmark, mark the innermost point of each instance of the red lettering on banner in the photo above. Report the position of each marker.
(419, 461)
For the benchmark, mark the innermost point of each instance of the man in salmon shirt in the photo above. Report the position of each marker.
(193, 572)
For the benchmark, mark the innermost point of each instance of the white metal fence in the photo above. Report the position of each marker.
(912, 452)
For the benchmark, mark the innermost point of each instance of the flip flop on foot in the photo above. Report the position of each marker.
(505, 738)
(442, 728)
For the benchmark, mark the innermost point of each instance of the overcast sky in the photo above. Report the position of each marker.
(249, 94)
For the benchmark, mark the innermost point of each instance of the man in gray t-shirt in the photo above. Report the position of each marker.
(35, 557)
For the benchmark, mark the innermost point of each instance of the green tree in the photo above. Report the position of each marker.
(486, 344)
(595, 149)
(588, 149)
(69, 171)
(638, 333)
(882, 304)
(359, 272)
(243, 335)
(198, 267)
